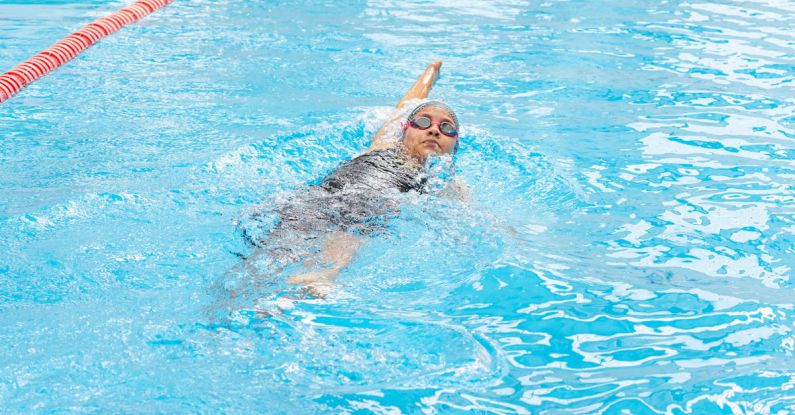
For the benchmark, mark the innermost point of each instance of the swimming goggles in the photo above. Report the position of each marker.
(423, 123)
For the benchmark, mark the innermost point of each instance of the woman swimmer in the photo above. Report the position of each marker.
(347, 203)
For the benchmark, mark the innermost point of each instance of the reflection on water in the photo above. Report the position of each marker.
(628, 249)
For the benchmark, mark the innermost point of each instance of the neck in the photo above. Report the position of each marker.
(416, 159)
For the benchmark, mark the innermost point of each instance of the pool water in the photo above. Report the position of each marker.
(628, 247)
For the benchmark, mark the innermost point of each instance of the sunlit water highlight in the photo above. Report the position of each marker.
(629, 246)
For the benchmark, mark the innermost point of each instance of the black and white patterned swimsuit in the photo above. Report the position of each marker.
(377, 171)
(357, 197)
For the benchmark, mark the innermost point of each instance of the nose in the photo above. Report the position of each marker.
(434, 130)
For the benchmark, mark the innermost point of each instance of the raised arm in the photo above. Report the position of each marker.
(419, 90)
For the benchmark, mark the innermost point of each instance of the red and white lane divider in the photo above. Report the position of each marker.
(67, 48)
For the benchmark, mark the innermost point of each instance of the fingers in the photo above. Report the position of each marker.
(435, 68)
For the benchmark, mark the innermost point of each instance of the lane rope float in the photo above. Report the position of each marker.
(67, 48)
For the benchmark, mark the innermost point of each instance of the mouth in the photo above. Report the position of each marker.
(432, 143)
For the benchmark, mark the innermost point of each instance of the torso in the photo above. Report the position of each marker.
(354, 198)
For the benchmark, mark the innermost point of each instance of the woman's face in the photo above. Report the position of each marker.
(421, 143)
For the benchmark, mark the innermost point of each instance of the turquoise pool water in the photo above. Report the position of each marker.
(628, 249)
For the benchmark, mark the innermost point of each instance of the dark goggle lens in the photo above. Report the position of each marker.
(424, 122)
(447, 129)
(421, 122)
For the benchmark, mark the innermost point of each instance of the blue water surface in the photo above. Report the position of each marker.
(628, 247)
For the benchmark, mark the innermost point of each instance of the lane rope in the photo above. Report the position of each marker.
(67, 48)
